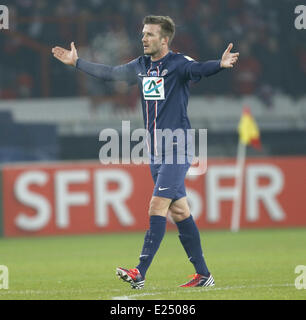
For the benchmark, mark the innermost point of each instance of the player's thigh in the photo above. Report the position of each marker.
(170, 181)
(179, 209)
(159, 206)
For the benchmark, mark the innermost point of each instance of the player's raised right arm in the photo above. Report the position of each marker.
(124, 72)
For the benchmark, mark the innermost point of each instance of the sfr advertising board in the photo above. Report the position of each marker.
(89, 197)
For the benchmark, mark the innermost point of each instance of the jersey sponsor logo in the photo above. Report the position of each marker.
(153, 88)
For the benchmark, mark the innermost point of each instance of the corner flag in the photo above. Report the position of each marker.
(248, 135)
(248, 130)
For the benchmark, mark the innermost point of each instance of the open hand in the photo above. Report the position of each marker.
(66, 56)
(229, 59)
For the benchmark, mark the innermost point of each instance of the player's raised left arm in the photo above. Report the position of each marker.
(228, 58)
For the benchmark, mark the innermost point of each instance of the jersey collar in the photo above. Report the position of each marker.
(162, 59)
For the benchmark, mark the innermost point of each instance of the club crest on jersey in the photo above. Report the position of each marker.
(164, 72)
(153, 88)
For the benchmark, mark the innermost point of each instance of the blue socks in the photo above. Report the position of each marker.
(152, 241)
(190, 238)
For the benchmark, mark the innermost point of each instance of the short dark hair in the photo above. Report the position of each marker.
(166, 23)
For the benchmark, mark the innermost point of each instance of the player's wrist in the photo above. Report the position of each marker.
(75, 61)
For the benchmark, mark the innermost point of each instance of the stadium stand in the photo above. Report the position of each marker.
(41, 97)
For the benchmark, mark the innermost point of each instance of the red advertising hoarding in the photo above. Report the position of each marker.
(88, 197)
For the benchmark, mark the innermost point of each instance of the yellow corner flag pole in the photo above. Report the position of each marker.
(248, 135)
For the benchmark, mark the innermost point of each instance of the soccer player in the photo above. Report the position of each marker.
(163, 78)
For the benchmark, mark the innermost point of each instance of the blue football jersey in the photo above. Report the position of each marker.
(164, 88)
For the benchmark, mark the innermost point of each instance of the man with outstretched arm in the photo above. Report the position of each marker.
(163, 78)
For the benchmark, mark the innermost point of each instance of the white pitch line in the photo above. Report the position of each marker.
(130, 297)
(135, 295)
(28, 292)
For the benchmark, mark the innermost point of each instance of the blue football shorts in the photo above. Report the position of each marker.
(169, 179)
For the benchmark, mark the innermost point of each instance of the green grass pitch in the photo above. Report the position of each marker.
(250, 264)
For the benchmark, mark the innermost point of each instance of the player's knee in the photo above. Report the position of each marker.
(158, 206)
(178, 214)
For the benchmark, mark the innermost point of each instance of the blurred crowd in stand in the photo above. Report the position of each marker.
(272, 51)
